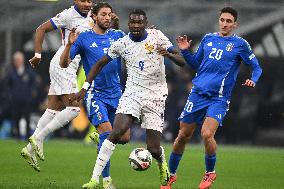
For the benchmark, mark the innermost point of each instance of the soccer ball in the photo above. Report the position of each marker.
(140, 159)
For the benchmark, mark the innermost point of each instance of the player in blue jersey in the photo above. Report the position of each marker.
(103, 94)
(217, 62)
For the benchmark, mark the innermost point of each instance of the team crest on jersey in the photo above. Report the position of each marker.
(230, 47)
(149, 48)
(99, 116)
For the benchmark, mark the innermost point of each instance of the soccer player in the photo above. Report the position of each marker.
(145, 93)
(105, 91)
(217, 62)
(60, 110)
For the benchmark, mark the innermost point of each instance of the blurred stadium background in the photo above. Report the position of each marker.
(256, 116)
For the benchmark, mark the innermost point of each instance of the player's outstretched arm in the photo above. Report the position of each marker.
(173, 55)
(39, 36)
(65, 56)
(95, 70)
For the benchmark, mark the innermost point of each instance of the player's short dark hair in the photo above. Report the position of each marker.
(230, 10)
(138, 12)
(97, 7)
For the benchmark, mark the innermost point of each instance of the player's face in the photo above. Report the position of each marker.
(137, 24)
(103, 18)
(84, 6)
(226, 24)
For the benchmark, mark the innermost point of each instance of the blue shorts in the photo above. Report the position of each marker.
(199, 106)
(100, 110)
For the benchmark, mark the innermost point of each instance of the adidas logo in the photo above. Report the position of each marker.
(94, 45)
(209, 44)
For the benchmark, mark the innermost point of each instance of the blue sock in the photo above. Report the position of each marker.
(102, 137)
(174, 162)
(210, 161)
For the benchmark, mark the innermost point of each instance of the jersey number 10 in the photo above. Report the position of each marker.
(216, 54)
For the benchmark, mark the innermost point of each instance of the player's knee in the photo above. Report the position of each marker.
(206, 134)
(73, 111)
(183, 136)
(124, 139)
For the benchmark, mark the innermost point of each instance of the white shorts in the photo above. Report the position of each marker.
(149, 112)
(62, 80)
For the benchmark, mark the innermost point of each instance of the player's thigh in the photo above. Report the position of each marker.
(209, 127)
(217, 110)
(65, 98)
(152, 115)
(186, 130)
(54, 103)
(122, 123)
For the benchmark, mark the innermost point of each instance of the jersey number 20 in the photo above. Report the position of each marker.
(216, 54)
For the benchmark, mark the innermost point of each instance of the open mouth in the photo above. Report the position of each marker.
(135, 32)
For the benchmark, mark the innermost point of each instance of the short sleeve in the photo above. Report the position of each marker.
(115, 49)
(60, 20)
(164, 42)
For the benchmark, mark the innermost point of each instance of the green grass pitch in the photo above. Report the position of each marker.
(69, 164)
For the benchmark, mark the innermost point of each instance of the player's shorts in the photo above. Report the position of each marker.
(199, 106)
(100, 110)
(149, 112)
(62, 80)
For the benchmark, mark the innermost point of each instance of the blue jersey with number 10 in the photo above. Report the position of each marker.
(217, 61)
(92, 47)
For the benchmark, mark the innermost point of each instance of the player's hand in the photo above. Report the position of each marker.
(151, 27)
(114, 16)
(249, 83)
(78, 96)
(183, 42)
(162, 51)
(34, 61)
(72, 36)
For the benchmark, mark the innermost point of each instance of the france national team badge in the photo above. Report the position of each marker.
(149, 48)
(100, 116)
(230, 47)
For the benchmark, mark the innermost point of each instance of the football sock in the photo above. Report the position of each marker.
(104, 155)
(174, 162)
(60, 120)
(102, 137)
(162, 157)
(210, 161)
(43, 121)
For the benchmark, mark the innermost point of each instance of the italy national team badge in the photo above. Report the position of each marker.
(100, 116)
(149, 48)
(230, 47)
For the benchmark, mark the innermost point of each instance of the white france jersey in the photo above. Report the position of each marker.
(66, 21)
(146, 76)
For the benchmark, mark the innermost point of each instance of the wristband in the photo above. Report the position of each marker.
(38, 55)
(86, 85)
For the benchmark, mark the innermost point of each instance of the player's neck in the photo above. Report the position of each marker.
(225, 35)
(99, 30)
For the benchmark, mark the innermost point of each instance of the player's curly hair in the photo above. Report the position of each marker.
(230, 10)
(97, 7)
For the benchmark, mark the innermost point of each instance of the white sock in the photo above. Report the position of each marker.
(162, 158)
(102, 159)
(60, 120)
(43, 121)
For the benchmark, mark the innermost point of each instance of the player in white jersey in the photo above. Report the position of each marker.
(146, 90)
(60, 110)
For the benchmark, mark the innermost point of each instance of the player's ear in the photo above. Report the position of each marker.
(236, 25)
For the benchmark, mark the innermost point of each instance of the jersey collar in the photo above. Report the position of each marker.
(138, 39)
